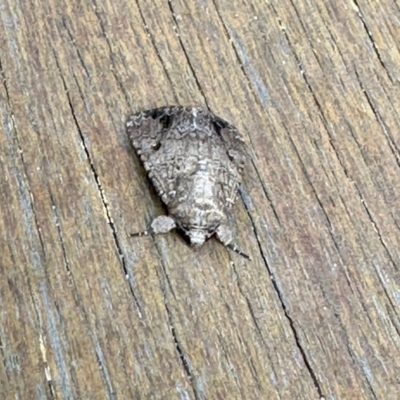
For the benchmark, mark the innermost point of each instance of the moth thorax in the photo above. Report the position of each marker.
(203, 184)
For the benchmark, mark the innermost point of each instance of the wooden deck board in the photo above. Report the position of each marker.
(88, 313)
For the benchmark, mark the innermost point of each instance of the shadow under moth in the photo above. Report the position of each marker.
(194, 160)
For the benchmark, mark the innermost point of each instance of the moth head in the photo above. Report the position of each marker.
(197, 237)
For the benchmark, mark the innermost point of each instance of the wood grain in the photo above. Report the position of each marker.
(88, 313)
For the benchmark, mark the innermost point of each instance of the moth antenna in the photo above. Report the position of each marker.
(144, 233)
(161, 224)
(234, 247)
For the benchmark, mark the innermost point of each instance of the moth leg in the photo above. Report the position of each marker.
(161, 224)
(225, 234)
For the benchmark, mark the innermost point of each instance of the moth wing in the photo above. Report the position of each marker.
(237, 152)
(236, 147)
(146, 130)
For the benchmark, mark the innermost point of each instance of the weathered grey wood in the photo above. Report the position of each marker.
(88, 313)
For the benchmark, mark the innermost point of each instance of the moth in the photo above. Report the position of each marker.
(194, 160)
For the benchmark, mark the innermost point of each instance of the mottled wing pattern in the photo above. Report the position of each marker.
(233, 140)
(147, 131)
(237, 153)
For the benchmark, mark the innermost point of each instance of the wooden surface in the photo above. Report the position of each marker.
(88, 313)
